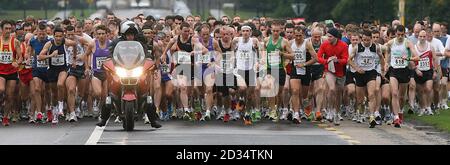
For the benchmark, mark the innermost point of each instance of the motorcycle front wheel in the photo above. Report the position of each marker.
(128, 123)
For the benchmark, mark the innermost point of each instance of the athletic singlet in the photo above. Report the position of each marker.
(70, 55)
(300, 56)
(208, 57)
(274, 58)
(37, 47)
(426, 58)
(397, 51)
(316, 49)
(7, 56)
(184, 51)
(245, 55)
(227, 62)
(61, 58)
(99, 56)
(366, 57)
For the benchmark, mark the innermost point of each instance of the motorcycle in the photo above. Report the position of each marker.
(128, 69)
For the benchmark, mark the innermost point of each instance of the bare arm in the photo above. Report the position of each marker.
(196, 42)
(43, 55)
(169, 46)
(288, 54)
(29, 53)
(436, 61)
(73, 44)
(18, 52)
(380, 55)
(414, 56)
(351, 59)
(447, 52)
(157, 52)
(88, 53)
(388, 54)
(313, 54)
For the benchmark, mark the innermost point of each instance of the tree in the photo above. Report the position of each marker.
(355, 11)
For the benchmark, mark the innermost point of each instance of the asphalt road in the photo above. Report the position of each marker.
(179, 132)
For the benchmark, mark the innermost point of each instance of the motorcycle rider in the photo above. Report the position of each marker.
(130, 32)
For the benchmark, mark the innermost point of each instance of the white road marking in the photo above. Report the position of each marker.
(96, 134)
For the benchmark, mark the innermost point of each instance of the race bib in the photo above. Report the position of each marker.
(205, 58)
(244, 60)
(397, 61)
(226, 63)
(299, 59)
(99, 61)
(424, 64)
(165, 68)
(274, 58)
(245, 56)
(42, 63)
(6, 57)
(226, 66)
(184, 58)
(366, 62)
(58, 60)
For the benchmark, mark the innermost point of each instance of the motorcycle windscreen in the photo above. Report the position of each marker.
(129, 54)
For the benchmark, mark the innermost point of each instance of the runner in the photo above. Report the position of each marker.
(55, 51)
(412, 82)
(278, 49)
(154, 52)
(398, 57)
(334, 55)
(25, 76)
(98, 81)
(349, 99)
(78, 68)
(301, 74)
(246, 52)
(10, 58)
(441, 81)
(207, 71)
(363, 59)
(381, 75)
(318, 85)
(426, 71)
(225, 81)
(39, 71)
(385, 87)
(184, 45)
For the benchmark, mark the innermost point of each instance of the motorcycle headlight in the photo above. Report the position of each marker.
(137, 72)
(121, 72)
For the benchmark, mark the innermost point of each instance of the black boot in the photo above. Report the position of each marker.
(105, 114)
(151, 113)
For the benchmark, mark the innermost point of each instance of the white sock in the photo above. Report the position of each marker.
(377, 113)
(396, 117)
(296, 114)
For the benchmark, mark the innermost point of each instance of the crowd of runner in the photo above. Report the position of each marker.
(228, 69)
